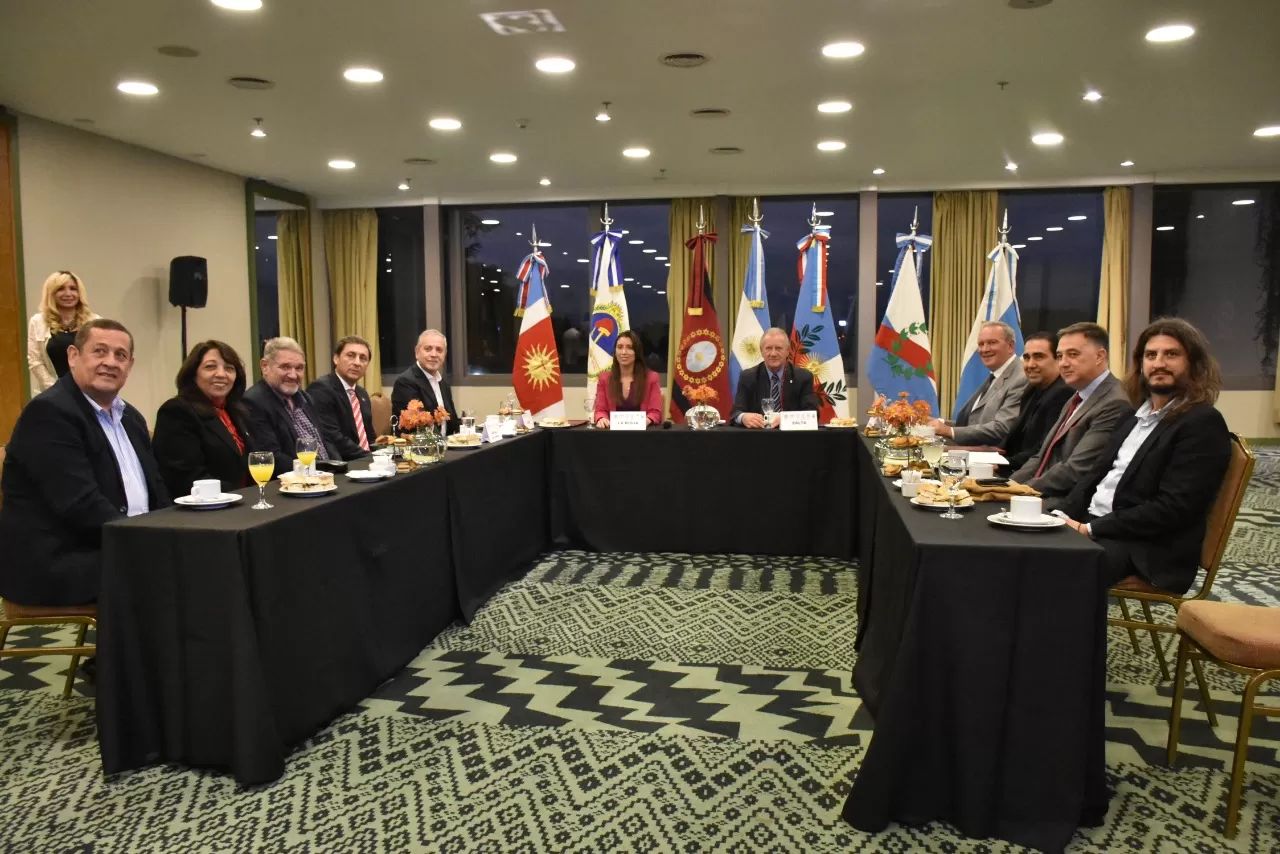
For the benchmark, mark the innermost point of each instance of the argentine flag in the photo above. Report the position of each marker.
(753, 311)
(901, 359)
(608, 307)
(1000, 302)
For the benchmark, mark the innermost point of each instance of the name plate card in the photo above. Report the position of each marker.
(526, 418)
(799, 421)
(628, 420)
(509, 427)
(492, 431)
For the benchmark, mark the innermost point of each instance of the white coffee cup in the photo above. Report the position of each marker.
(1024, 508)
(978, 471)
(910, 490)
(924, 431)
(206, 490)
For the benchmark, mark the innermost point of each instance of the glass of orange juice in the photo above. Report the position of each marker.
(306, 447)
(262, 465)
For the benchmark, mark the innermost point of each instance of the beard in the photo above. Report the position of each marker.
(1165, 384)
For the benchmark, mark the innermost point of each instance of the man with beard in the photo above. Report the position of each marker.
(1146, 499)
(280, 412)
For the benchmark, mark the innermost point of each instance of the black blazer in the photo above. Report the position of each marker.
(1157, 519)
(1040, 409)
(61, 484)
(753, 387)
(334, 408)
(191, 443)
(413, 385)
(272, 428)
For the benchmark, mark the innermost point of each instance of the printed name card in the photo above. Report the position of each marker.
(628, 421)
(526, 418)
(492, 432)
(799, 421)
(508, 427)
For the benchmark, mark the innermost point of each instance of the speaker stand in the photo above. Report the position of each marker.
(184, 332)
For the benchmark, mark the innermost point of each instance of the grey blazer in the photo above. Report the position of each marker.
(1087, 436)
(993, 417)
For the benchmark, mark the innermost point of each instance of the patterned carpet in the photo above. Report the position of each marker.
(625, 703)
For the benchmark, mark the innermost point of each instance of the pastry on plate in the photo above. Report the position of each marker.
(319, 482)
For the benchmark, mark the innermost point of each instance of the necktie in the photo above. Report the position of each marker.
(962, 420)
(1062, 431)
(359, 419)
(775, 392)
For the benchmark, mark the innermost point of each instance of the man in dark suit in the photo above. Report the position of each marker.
(79, 457)
(1041, 404)
(1146, 499)
(280, 411)
(789, 388)
(344, 408)
(424, 380)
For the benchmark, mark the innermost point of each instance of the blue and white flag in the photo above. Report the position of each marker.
(814, 343)
(1000, 302)
(609, 307)
(753, 311)
(901, 359)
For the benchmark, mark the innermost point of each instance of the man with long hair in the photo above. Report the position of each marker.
(1147, 498)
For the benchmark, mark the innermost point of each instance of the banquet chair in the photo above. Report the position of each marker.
(1244, 639)
(1222, 517)
(381, 405)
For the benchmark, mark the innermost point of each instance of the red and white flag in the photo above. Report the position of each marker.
(536, 372)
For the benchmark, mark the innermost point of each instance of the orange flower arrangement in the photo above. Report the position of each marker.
(701, 395)
(416, 417)
(902, 415)
(441, 415)
(877, 407)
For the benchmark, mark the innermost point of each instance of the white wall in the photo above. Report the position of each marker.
(1249, 413)
(116, 214)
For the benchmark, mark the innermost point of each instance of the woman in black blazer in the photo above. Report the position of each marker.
(202, 434)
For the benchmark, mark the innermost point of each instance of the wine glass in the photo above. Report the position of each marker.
(262, 465)
(931, 450)
(769, 412)
(951, 468)
(468, 422)
(307, 448)
(589, 409)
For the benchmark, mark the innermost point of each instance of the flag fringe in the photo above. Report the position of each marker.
(693, 311)
(756, 303)
(519, 312)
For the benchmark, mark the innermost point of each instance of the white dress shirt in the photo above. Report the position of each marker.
(435, 380)
(1104, 496)
(995, 375)
(346, 386)
(131, 474)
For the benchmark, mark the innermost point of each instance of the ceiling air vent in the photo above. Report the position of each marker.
(178, 51)
(684, 60)
(709, 113)
(726, 149)
(251, 83)
(419, 161)
(1029, 4)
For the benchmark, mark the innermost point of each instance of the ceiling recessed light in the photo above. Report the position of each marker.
(635, 242)
(1011, 166)
(1035, 238)
(546, 182)
(1076, 218)
(1047, 138)
(137, 87)
(1054, 228)
(239, 5)
(342, 164)
(490, 222)
(1126, 162)
(555, 64)
(363, 75)
(649, 251)
(843, 50)
(1243, 202)
(1171, 33)
(628, 279)
(661, 292)
(1269, 130)
(584, 261)
(564, 286)
(445, 124)
(273, 237)
(258, 132)
(1092, 95)
(502, 157)
(635, 152)
(826, 213)
(661, 258)
(877, 171)
(404, 185)
(1164, 228)
(1019, 246)
(831, 145)
(603, 115)
(835, 107)
(646, 286)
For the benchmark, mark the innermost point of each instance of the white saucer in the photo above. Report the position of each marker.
(310, 493)
(839, 426)
(226, 499)
(1046, 522)
(965, 506)
(463, 447)
(369, 474)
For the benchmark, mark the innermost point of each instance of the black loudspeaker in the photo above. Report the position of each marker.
(188, 281)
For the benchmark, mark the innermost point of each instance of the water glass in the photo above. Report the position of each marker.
(952, 468)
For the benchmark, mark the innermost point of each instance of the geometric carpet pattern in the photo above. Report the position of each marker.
(627, 702)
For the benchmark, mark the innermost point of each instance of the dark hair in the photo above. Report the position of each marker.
(186, 381)
(639, 373)
(1043, 335)
(82, 334)
(1204, 380)
(1097, 335)
(352, 339)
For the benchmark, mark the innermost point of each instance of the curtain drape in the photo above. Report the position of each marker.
(739, 252)
(1113, 285)
(293, 280)
(351, 250)
(964, 231)
(683, 225)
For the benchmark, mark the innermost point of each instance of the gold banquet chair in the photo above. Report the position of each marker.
(1244, 639)
(381, 406)
(1222, 517)
(13, 614)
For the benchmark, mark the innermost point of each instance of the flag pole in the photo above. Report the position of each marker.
(755, 218)
(605, 220)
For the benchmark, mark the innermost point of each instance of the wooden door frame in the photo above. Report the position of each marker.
(15, 390)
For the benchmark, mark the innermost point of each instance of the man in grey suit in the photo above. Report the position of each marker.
(988, 416)
(1084, 427)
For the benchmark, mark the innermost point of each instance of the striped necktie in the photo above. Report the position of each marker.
(775, 391)
(358, 418)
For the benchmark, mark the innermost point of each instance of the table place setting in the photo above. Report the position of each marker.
(1025, 514)
(207, 495)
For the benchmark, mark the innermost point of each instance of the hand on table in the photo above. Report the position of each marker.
(603, 422)
(940, 427)
(753, 420)
(1078, 527)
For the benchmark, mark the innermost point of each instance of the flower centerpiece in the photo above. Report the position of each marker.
(702, 415)
(899, 417)
(875, 421)
(420, 424)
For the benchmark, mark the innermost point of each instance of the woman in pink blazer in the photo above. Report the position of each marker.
(630, 386)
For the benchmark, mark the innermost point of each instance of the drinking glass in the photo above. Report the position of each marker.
(589, 409)
(769, 412)
(262, 465)
(932, 449)
(951, 468)
(307, 448)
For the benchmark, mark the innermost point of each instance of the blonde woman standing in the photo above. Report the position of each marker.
(52, 329)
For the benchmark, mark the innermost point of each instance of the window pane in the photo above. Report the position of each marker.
(1216, 264)
(265, 260)
(787, 221)
(402, 295)
(1058, 273)
(893, 217)
(642, 260)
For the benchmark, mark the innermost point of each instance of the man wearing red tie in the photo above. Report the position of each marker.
(344, 408)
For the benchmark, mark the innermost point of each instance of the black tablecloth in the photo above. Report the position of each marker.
(728, 490)
(983, 662)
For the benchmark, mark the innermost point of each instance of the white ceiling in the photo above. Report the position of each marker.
(926, 104)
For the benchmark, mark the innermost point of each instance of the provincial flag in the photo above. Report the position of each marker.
(901, 359)
(701, 358)
(609, 306)
(814, 344)
(753, 310)
(999, 302)
(536, 372)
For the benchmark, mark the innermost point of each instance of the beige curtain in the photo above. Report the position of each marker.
(1113, 285)
(683, 224)
(739, 253)
(964, 231)
(351, 250)
(293, 276)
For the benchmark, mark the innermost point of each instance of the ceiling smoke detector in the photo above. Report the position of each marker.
(684, 60)
(709, 113)
(726, 149)
(661, 176)
(1028, 4)
(256, 83)
(419, 161)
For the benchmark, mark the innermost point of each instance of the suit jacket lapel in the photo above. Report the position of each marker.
(214, 424)
(344, 412)
(1147, 445)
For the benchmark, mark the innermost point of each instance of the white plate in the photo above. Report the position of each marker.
(310, 493)
(546, 426)
(226, 499)
(964, 506)
(383, 451)
(1046, 522)
(461, 447)
(368, 475)
(839, 426)
(898, 483)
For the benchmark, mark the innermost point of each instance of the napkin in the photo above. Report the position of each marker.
(997, 493)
